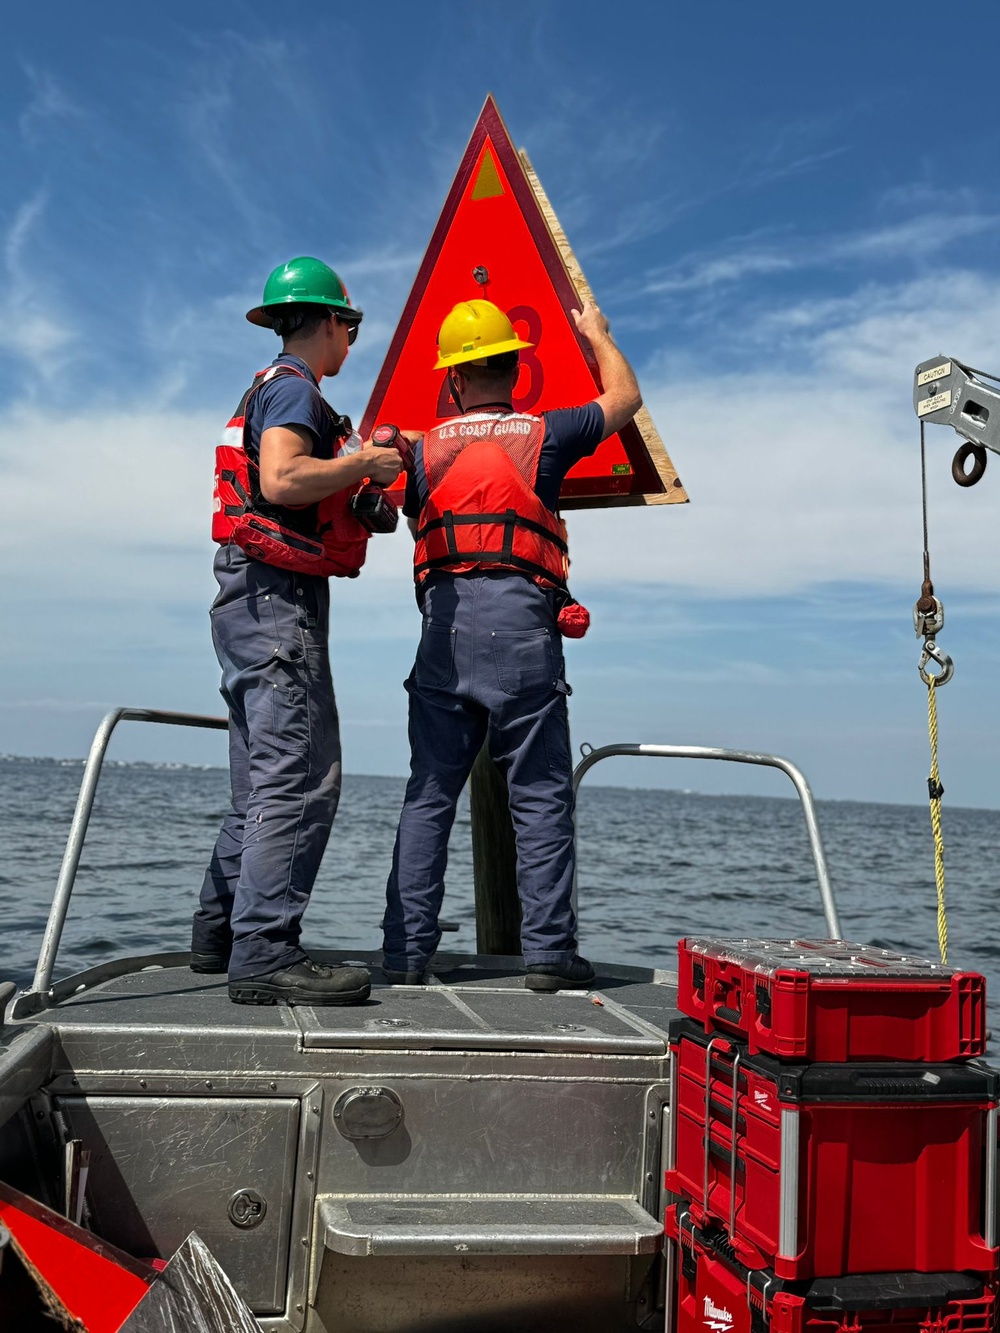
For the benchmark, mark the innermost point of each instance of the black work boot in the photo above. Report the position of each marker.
(304, 982)
(402, 978)
(209, 962)
(577, 974)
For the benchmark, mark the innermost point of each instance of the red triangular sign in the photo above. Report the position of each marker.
(498, 238)
(85, 1281)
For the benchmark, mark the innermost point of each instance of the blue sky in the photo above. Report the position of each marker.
(781, 207)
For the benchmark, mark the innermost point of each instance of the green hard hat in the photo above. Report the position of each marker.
(302, 281)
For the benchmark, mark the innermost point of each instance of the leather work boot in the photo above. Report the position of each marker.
(209, 962)
(402, 978)
(304, 982)
(577, 974)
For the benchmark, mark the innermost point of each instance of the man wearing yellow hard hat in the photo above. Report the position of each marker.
(490, 565)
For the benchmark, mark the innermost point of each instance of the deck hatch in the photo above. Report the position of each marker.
(162, 1167)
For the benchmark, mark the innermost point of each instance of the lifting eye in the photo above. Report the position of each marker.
(978, 455)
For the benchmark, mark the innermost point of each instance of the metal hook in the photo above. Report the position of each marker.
(932, 653)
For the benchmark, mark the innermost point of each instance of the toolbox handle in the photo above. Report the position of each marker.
(712, 1042)
(720, 1070)
(733, 1159)
(722, 1152)
(723, 1112)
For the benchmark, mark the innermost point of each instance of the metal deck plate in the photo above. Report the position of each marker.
(427, 1017)
(472, 1004)
(167, 997)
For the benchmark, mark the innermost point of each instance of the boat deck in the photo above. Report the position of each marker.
(469, 1003)
(321, 1152)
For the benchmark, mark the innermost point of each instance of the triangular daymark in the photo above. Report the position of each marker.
(534, 277)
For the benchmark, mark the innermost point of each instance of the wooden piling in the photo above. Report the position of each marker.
(494, 861)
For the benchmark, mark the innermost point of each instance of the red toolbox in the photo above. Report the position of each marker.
(829, 1000)
(824, 1169)
(709, 1291)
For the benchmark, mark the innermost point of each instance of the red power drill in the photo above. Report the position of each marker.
(371, 506)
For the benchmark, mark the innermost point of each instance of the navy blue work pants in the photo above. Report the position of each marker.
(489, 668)
(270, 630)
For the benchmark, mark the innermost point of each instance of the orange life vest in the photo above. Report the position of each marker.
(323, 538)
(482, 510)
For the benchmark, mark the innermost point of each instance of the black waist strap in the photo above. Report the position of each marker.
(510, 518)
(514, 562)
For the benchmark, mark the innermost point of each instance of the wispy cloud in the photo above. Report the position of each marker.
(757, 176)
(916, 238)
(30, 328)
(697, 275)
(48, 104)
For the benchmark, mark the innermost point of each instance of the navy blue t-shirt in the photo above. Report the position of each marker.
(571, 433)
(290, 400)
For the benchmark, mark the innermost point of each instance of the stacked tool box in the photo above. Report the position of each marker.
(834, 1142)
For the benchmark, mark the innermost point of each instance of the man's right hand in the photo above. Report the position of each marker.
(620, 399)
(591, 322)
(380, 464)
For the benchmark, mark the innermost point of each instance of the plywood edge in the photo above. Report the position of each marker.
(673, 490)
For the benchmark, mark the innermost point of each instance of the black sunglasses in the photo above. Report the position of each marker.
(353, 324)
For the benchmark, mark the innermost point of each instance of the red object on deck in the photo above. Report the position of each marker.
(830, 1000)
(91, 1280)
(715, 1294)
(824, 1169)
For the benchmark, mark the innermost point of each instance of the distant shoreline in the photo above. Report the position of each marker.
(166, 766)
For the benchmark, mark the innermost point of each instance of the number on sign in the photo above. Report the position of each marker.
(528, 388)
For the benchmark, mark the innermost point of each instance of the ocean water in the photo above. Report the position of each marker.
(654, 865)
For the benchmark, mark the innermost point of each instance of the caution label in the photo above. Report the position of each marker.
(935, 373)
(932, 404)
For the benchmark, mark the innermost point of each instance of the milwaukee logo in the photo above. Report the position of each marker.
(717, 1317)
(762, 1099)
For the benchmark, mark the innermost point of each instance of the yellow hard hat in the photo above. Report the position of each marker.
(474, 330)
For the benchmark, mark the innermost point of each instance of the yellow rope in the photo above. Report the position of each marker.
(936, 792)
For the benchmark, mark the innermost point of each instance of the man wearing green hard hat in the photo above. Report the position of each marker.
(290, 472)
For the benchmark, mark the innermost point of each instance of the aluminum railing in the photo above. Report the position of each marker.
(38, 997)
(592, 757)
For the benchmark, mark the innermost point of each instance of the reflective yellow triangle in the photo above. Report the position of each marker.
(487, 184)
